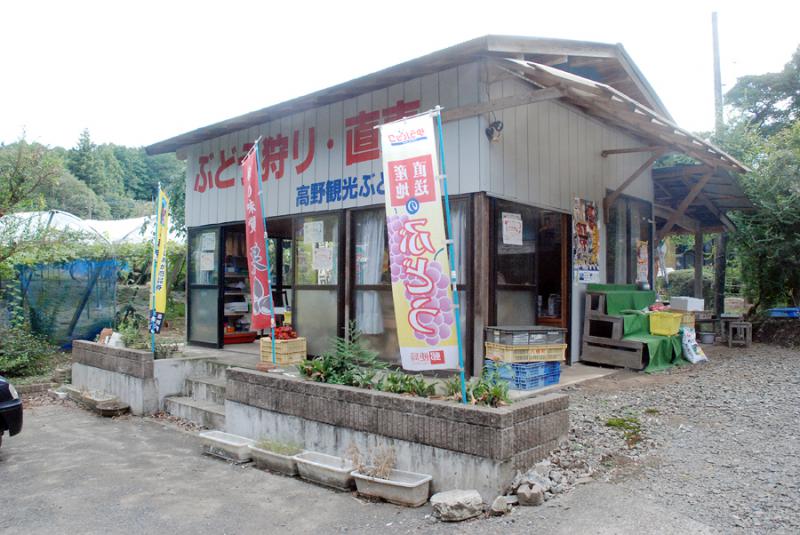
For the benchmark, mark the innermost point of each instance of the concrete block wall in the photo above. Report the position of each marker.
(477, 447)
(125, 373)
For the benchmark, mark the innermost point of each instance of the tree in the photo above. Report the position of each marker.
(770, 101)
(768, 239)
(69, 194)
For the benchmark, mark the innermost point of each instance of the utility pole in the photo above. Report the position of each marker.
(718, 124)
(720, 260)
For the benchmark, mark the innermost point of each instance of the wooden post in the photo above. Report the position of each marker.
(698, 264)
(480, 277)
(690, 197)
(720, 264)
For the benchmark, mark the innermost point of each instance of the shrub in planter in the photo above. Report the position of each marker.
(378, 478)
(276, 456)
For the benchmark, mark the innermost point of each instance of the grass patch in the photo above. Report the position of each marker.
(631, 429)
(281, 448)
(652, 411)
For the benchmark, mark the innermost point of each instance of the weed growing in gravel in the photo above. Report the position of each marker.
(631, 429)
(651, 411)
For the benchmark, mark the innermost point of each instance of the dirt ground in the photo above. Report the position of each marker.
(719, 453)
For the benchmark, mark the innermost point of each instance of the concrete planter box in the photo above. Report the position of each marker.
(274, 462)
(400, 488)
(325, 469)
(226, 445)
(483, 446)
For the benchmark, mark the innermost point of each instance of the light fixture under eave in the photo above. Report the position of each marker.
(494, 131)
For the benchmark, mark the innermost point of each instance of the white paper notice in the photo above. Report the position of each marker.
(208, 242)
(512, 228)
(206, 261)
(313, 231)
(322, 259)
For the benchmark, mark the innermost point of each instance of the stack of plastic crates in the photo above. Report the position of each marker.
(526, 357)
(527, 375)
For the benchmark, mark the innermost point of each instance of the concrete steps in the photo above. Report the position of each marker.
(202, 400)
(205, 413)
(205, 389)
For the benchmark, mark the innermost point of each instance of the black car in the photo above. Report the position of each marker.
(10, 409)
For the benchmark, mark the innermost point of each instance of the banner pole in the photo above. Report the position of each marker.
(266, 252)
(450, 251)
(153, 274)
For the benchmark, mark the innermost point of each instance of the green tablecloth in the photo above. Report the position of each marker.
(596, 287)
(665, 351)
(634, 322)
(618, 301)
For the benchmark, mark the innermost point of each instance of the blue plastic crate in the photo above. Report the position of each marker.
(790, 312)
(527, 375)
(537, 382)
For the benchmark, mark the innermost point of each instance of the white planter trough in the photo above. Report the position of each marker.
(325, 469)
(230, 447)
(401, 488)
(275, 462)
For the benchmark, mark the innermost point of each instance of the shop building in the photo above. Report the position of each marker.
(530, 125)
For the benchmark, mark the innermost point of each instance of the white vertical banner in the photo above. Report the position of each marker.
(420, 268)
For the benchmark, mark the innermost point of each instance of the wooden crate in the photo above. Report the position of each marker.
(286, 351)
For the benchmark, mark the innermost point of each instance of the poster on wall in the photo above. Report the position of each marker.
(585, 241)
(642, 261)
(512, 228)
(423, 300)
(255, 235)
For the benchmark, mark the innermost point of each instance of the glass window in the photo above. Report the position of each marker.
(203, 258)
(629, 222)
(318, 252)
(550, 265)
(374, 305)
(515, 263)
(287, 262)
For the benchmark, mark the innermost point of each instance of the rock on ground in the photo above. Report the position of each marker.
(457, 505)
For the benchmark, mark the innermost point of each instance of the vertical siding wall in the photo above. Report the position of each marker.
(451, 88)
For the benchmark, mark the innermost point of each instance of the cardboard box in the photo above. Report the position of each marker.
(734, 305)
(687, 304)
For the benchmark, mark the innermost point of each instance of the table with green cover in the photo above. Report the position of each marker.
(626, 301)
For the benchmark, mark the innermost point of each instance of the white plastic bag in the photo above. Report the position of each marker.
(691, 350)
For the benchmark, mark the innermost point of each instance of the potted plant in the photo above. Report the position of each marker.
(275, 456)
(325, 469)
(378, 478)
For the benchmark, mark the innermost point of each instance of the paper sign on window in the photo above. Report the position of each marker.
(313, 231)
(512, 228)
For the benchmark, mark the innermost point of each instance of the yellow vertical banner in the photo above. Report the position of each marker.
(158, 279)
(420, 269)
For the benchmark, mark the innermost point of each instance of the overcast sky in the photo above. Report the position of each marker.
(134, 73)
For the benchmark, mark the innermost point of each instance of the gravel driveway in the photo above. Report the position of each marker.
(717, 451)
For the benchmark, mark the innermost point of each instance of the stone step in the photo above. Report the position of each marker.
(205, 413)
(216, 369)
(205, 388)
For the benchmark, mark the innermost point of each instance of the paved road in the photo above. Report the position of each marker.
(73, 472)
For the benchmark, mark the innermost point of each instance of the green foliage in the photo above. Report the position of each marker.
(768, 240)
(489, 389)
(23, 353)
(681, 282)
(398, 382)
(281, 448)
(770, 102)
(131, 328)
(630, 426)
(348, 363)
